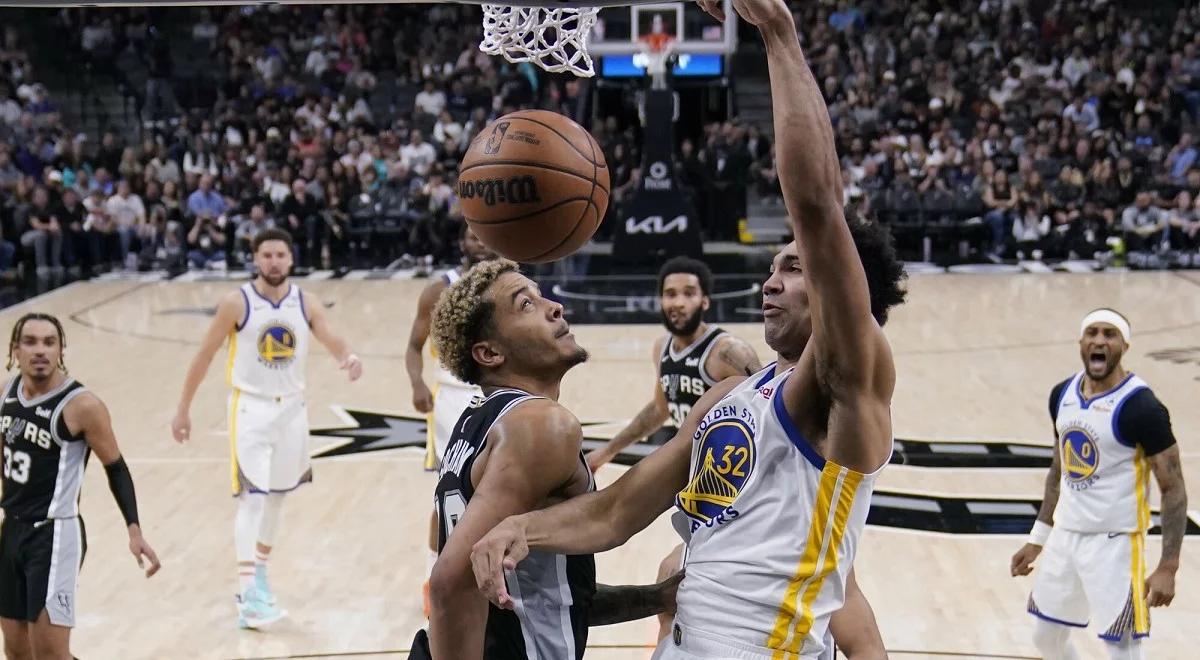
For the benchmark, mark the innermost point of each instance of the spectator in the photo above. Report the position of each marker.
(127, 213)
(299, 215)
(205, 243)
(1001, 200)
(1143, 225)
(166, 170)
(206, 202)
(418, 155)
(430, 100)
(1183, 222)
(248, 228)
(1181, 158)
(1030, 230)
(43, 235)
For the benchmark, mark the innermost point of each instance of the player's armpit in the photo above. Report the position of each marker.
(534, 452)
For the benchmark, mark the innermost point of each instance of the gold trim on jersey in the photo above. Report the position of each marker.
(431, 431)
(1137, 569)
(831, 511)
(230, 358)
(1141, 485)
(233, 460)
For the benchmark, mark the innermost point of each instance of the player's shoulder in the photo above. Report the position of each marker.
(84, 405)
(543, 412)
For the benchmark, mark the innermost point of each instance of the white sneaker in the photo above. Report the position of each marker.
(254, 613)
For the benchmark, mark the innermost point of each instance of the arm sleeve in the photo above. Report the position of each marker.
(1143, 420)
(1056, 393)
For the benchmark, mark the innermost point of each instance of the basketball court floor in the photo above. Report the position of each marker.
(976, 357)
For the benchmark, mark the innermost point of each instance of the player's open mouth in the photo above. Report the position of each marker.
(1097, 360)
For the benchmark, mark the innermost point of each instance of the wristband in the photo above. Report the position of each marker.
(1039, 533)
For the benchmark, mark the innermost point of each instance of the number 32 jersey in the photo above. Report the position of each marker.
(43, 462)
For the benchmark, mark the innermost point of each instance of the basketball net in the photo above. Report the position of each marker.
(555, 39)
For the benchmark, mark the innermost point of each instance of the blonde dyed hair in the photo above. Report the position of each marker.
(462, 315)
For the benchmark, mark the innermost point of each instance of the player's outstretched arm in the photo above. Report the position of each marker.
(231, 312)
(854, 627)
(414, 361)
(337, 346)
(650, 418)
(534, 453)
(1160, 585)
(87, 415)
(853, 360)
(597, 521)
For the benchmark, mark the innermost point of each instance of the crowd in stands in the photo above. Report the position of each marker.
(1061, 125)
(1029, 127)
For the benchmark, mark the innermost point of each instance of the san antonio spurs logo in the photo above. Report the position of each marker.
(725, 461)
(1080, 456)
(493, 144)
(277, 345)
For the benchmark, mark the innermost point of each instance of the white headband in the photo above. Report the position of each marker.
(1110, 317)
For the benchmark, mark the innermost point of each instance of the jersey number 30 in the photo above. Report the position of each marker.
(451, 507)
(16, 465)
(679, 412)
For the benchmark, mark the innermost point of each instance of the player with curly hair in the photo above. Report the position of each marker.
(515, 450)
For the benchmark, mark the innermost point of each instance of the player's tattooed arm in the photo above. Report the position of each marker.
(734, 358)
(1053, 482)
(628, 603)
(1169, 475)
(1160, 585)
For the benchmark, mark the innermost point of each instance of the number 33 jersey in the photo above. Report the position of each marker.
(774, 526)
(43, 462)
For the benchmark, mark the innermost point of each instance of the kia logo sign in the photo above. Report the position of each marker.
(655, 225)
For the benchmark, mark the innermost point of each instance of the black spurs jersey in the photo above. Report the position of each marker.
(682, 375)
(43, 462)
(552, 592)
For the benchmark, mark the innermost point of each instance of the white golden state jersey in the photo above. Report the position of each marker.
(269, 348)
(1105, 478)
(775, 526)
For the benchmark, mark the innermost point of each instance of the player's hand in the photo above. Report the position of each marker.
(498, 551)
(754, 12)
(181, 427)
(667, 589)
(597, 458)
(353, 366)
(422, 397)
(142, 552)
(1160, 587)
(1022, 561)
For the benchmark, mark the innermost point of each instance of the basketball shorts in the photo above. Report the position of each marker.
(39, 569)
(686, 643)
(449, 402)
(269, 443)
(1093, 578)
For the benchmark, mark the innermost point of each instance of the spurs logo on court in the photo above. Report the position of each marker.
(514, 190)
(1080, 456)
(724, 462)
(496, 139)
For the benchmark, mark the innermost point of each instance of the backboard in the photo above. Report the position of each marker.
(618, 29)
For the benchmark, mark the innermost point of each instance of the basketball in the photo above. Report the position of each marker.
(534, 186)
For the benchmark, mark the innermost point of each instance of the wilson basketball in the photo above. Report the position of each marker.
(534, 186)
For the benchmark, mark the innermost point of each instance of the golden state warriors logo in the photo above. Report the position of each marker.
(1080, 456)
(725, 460)
(277, 345)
